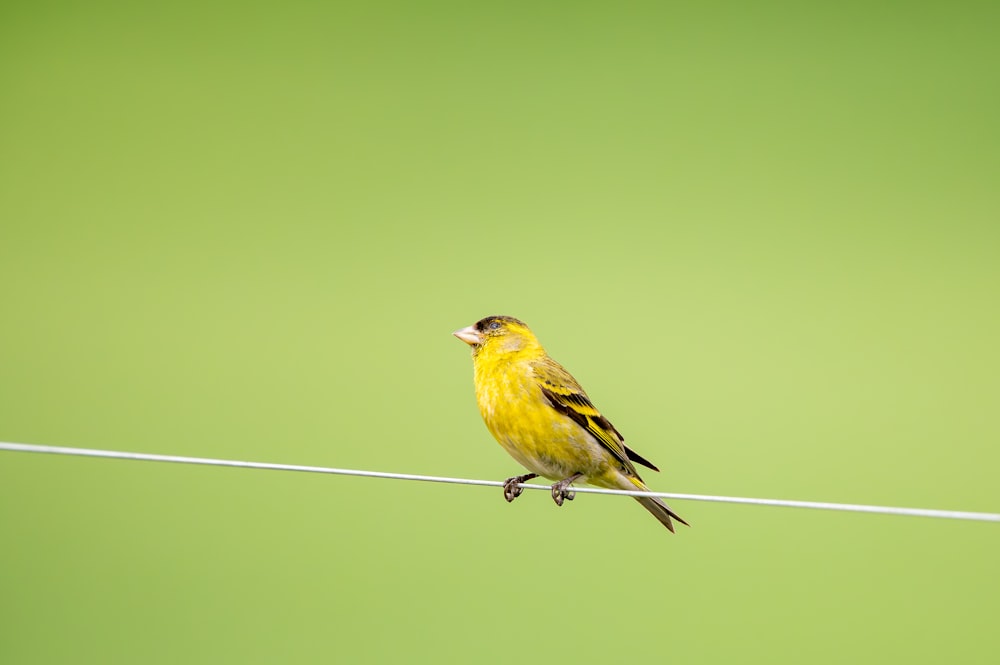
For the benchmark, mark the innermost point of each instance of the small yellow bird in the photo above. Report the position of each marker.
(543, 418)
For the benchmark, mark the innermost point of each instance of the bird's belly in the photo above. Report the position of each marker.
(555, 448)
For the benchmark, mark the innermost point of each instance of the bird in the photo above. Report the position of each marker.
(544, 419)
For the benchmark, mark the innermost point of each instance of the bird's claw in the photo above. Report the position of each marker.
(510, 489)
(561, 491)
(559, 495)
(510, 486)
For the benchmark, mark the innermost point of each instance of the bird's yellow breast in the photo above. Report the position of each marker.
(519, 416)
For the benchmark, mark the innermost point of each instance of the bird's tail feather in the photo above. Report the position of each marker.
(655, 505)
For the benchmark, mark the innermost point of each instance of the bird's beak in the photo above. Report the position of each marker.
(469, 335)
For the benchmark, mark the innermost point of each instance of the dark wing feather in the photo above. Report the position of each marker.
(639, 459)
(567, 397)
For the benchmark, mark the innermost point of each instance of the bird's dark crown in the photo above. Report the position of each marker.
(483, 325)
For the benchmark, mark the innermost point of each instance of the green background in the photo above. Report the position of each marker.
(764, 237)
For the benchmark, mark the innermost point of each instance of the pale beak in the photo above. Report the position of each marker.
(469, 335)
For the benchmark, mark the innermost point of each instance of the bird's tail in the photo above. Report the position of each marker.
(655, 505)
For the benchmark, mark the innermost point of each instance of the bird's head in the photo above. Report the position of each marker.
(498, 336)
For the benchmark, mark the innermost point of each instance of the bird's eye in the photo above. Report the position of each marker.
(494, 325)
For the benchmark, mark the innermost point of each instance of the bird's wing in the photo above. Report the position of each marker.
(567, 397)
(639, 459)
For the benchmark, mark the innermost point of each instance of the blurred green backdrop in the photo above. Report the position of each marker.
(765, 237)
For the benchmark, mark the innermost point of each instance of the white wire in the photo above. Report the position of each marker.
(784, 503)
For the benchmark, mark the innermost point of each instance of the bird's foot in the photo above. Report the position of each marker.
(510, 486)
(561, 491)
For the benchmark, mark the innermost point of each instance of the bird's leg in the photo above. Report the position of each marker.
(510, 486)
(561, 491)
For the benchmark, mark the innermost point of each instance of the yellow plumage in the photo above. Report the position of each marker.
(544, 419)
